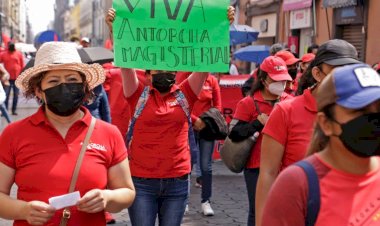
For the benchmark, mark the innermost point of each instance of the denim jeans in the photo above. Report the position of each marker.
(4, 112)
(15, 95)
(251, 176)
(206, 149)
(165, 198)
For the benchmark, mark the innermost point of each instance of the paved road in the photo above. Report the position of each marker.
(229, 194)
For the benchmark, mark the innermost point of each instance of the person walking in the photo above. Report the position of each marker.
(160, 136)
(209, 97)
(251, 114)
(3, 80)
(47, 147)
(288, 131)
(344, 158)
(13, 61)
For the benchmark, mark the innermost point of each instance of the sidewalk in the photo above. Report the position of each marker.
(229, 199)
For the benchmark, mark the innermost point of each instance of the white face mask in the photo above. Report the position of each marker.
(277, 88)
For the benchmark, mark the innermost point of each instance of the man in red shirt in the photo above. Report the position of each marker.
(13, 61)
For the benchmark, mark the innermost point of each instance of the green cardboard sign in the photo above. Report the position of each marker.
(174, 35)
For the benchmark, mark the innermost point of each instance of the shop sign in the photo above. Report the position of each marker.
(300, 18)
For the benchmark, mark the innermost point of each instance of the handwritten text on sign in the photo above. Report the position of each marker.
(176, 35)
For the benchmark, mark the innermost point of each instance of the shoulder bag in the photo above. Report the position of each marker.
(235, 154)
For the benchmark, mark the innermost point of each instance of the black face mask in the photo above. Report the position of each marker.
(11, 48)
(293, 73)
(163, 81)
(65, 98)
(361, 135)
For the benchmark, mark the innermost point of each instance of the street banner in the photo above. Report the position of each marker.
(174, 35)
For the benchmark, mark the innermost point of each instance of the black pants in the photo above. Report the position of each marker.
(251, 176)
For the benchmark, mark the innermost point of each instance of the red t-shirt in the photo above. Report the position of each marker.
(13, 63)
(44, 161)
(346, 199)
(246, 111)
(291, 124)
(160, 147)
(209, 97)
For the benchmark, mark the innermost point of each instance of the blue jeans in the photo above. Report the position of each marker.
(15, 95)
(4, 112)
(206, 148)
(166, 198)
(251, 176)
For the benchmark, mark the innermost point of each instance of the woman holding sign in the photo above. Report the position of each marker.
(159, 137)
(62, 149)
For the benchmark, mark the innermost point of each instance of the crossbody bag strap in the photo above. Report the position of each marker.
(139, 108)
(181, 99)
(74, 178)
(257, 106)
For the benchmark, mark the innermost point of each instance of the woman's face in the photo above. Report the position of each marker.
(56, 77)
(344, 115)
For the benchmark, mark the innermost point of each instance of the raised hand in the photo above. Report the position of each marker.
(231, 14)
(110, 17)
(38, 213)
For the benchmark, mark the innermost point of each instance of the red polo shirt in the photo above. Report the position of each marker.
(246, 111)
(291, 124)
(160, 147)
(209, 97)
(44, 161)
(13, 63)
(346, 199)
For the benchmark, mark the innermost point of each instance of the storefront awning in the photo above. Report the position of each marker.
(339, 3)
(261, 3)
(296, 4)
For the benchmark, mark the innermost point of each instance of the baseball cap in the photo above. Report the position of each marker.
(85, 39)
(288, 57)
(275, 48)
(336, 52)
(308, 57)
(352, 86)
(276, 68)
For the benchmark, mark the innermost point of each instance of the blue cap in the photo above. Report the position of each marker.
(352, 86)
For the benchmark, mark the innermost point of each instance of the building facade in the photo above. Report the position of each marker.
(300, 23)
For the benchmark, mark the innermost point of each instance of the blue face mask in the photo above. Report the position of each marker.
(361, 135)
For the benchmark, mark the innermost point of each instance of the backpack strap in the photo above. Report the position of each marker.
(180, 97)
(313, 198)
(139, 108)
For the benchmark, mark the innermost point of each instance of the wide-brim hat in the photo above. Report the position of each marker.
(61, 56)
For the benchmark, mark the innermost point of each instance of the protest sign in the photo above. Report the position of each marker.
(174, 35)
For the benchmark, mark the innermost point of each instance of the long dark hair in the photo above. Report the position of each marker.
(258, 83)
(319, 140)
(307, 80)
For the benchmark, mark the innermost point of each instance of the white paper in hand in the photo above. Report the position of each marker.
(63, 201)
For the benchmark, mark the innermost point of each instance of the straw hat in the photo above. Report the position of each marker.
(61, 56)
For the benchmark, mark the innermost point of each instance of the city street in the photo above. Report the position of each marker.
(229, 194)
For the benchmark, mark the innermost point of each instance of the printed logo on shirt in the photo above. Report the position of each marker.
(368, 215)
(98, 147)
(173, 103)
(207, 87)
